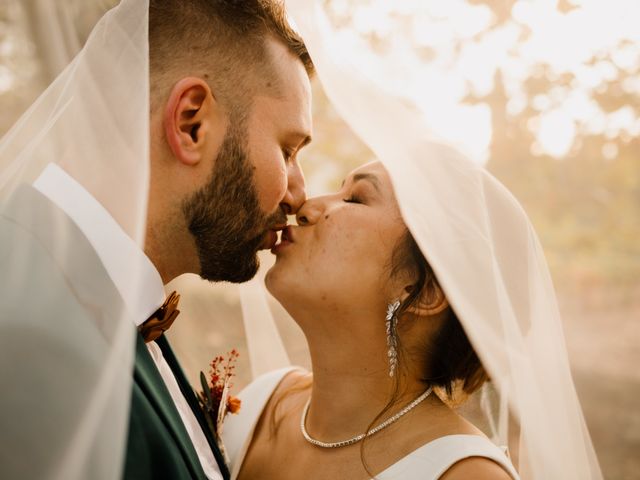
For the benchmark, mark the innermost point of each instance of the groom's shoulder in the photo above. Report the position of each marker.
(32, 222)
(49, 268)
(25, 256)
(25, 205)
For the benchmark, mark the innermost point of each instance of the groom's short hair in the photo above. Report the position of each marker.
(223, 41)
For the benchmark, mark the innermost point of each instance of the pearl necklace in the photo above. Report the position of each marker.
(357, 438)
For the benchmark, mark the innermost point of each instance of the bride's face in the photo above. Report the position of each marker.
(339, 255)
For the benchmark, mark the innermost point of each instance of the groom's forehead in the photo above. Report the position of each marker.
(283, 98)
(287, 116)
(283, 74)
(290, 113)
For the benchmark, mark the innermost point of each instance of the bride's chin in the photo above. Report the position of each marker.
(271, 280)
(279, 284)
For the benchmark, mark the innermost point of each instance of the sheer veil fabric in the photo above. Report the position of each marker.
(92, 121)
(483, 249)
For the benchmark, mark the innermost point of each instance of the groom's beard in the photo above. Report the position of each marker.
(225, 218)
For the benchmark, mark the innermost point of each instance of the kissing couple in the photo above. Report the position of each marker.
(169, 145)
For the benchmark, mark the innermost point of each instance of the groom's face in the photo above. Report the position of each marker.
(225, 217)
(256, 179)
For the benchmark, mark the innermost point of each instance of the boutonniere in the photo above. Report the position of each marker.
(215, 398)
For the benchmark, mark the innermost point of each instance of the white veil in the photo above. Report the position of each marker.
(483, 250)
(60, 419)
(93, 121)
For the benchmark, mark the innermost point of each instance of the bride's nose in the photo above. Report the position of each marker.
(310, 212)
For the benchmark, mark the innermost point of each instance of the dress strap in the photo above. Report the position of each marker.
(238, 429)
(432, 460)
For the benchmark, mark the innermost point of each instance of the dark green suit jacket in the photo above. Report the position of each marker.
(159, 446)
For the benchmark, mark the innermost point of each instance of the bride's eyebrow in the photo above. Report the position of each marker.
(365, 176)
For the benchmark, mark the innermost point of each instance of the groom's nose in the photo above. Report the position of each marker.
(296, 194)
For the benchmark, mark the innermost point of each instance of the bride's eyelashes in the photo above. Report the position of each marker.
(352, 199)
(357, 194)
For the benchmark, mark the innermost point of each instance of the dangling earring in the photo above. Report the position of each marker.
(392, 336)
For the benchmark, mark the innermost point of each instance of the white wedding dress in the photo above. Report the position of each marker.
(428, 462)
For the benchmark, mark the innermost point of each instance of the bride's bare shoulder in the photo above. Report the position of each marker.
(294, 382)
(478, 468)
(292, 385)
(286, 397)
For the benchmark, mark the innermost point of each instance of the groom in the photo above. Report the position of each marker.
(229, 111)
(224, 176)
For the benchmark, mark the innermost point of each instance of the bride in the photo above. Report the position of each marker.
(415, 283)
(388, 354)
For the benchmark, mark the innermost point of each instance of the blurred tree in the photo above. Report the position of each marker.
(585, 203)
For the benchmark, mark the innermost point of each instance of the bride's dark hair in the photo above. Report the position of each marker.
(451, 365)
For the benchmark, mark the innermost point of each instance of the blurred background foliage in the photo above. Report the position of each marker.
(546, 93)
(578, 172)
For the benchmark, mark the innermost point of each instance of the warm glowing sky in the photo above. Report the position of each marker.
(564, 41)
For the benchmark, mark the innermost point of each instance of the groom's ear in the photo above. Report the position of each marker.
(192, 121)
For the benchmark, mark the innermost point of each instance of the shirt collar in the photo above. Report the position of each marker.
(133, 274)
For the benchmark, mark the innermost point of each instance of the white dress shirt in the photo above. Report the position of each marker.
(110, 241)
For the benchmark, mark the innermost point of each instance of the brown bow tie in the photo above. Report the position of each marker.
(161, 319)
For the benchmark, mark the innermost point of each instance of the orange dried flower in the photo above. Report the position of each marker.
(233, 404)
(210, 397)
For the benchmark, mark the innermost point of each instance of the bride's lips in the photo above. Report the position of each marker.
(271, 237)
(286, 239)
